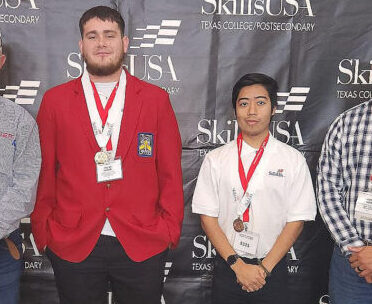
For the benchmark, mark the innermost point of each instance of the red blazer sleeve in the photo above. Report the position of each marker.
(168, 162)
(46, 195)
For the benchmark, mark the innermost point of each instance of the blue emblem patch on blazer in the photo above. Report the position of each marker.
(145, 144)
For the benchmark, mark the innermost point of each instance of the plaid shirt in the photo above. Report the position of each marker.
(345, 166)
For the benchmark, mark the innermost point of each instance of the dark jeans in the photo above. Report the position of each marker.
(345, 286)
(10, 270)
(225, 289)
(88, 281)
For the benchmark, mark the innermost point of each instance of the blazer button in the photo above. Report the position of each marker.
(107, 209)
(108, 186)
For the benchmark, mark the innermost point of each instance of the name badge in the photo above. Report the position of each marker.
(363, 207)
(110, 171)
(246, 243)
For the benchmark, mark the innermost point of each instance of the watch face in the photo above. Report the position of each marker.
(231, 260)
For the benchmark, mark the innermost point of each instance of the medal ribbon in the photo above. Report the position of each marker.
(103, 112)
(245, 179)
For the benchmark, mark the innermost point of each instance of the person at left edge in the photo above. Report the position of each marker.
(19, 170)
(110, 199)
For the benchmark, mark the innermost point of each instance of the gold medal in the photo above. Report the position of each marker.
(238, 225)
(101, 157)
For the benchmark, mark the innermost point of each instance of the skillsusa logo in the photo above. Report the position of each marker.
(354, 79)
(213, 132)
(257, 7)
(157, 66)
(23, 94)
(277, 173)
(239, 15)
(147, 60)
(11, 8)
(286, 130)
(14, 4)
(151, 35)
(293, 100)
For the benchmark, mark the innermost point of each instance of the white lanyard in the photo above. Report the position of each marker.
(114, 114)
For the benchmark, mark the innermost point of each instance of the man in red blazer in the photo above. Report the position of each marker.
(110, 200)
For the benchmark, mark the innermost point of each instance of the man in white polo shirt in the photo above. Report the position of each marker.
(253, 195)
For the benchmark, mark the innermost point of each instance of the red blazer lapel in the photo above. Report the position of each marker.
(132, 109)
(80, 111)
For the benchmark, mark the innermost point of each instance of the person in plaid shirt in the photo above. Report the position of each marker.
(345, 203)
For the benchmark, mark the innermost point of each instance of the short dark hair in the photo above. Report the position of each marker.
(247, 80)
(103, 13)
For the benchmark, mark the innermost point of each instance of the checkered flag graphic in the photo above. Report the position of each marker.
(167, 268)
(163, 34)
(293, 100)
(23, 94)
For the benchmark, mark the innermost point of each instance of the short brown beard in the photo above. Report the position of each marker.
(105, 70)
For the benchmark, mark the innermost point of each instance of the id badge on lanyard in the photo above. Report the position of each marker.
(363, 207)
(109, 171)
(108, 168)
(245, 179)
(246, 242)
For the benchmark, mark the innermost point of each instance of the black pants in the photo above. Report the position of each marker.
(225, 289)
(88, 282)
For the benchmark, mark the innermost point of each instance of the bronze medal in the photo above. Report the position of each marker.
(238, 225)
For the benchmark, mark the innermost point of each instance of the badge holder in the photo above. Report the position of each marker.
(363, 207)
(246, 242)
(109, 171)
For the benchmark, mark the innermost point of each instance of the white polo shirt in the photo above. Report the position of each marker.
(281, 190)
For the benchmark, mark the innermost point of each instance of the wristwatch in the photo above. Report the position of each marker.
(231, 259)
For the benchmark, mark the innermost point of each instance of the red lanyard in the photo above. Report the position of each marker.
(103, 112)
(243, 179)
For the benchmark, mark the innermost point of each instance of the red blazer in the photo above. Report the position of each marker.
(145, 208)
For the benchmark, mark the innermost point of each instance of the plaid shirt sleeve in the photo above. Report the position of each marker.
(331, 190)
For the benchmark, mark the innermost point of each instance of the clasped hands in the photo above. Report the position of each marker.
(361, 261)
(250, 277)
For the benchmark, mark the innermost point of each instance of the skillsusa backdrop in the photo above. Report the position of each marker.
(319, 51)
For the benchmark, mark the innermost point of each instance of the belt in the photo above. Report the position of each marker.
(13, 250)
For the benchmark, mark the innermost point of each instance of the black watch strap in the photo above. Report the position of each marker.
(231, 259)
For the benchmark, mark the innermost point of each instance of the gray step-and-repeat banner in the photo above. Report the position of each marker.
(319, 51)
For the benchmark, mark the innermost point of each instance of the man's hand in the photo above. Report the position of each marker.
(368, 278)
(361, 261)
(250, 277)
